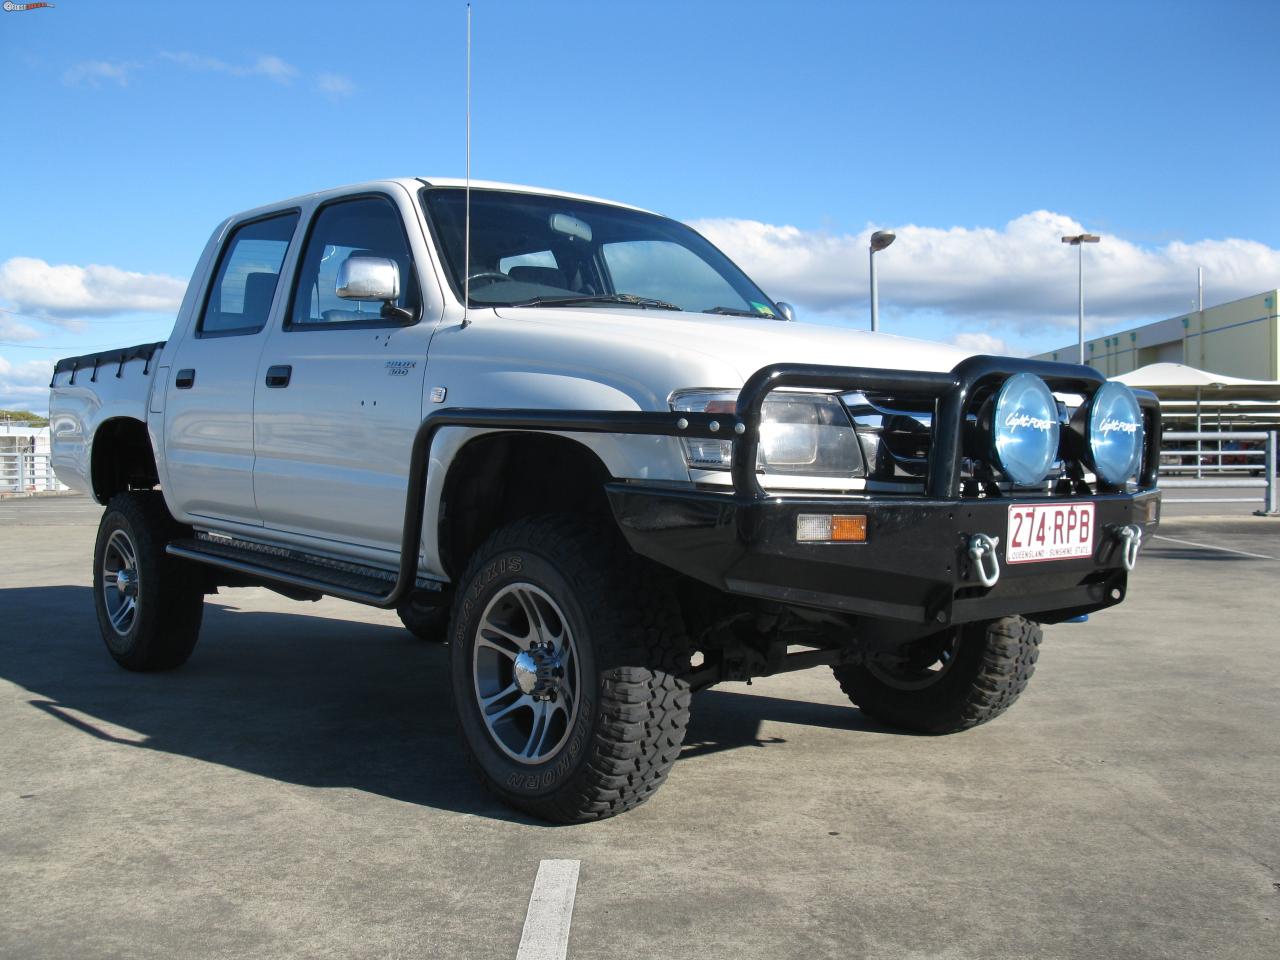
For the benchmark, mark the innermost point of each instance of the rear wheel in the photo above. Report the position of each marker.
(948, 681)
(567, 656)
(149, 604)
(427, 621)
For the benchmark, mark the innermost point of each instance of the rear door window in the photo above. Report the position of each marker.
(239, 299)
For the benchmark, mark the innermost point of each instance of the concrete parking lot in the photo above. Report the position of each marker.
(297, 791)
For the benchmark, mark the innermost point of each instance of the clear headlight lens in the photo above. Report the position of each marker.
(1115, 433)
(1024, 429)
(801, 434)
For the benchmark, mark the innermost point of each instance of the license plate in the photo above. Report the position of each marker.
(1049, 531)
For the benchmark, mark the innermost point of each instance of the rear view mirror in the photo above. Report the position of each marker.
(571, 226)
(368, 278)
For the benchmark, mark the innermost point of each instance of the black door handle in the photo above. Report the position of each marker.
(279, 376)
(185, 379)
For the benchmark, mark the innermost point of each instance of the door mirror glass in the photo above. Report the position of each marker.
(787, 310)
(368, 278)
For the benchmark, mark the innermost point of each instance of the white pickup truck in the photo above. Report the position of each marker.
(618, 474)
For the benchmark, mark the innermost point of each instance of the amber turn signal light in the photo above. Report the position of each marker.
(831, 528)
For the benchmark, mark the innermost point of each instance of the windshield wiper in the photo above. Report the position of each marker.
(630, 299)
(735, 312)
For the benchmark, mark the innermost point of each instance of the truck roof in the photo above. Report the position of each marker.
(518, 187)
(414, 183)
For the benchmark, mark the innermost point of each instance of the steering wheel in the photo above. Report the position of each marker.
(488, 276)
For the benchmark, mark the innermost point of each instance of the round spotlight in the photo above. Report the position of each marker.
(1024, 429)
(1115, 433)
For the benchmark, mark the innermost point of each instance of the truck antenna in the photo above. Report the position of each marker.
(466, 243)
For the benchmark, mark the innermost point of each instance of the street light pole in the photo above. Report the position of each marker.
(879, 240)
(1076, 242)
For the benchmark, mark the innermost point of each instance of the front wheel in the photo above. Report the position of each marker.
(149, 604)
(949, 681)
(567, 657)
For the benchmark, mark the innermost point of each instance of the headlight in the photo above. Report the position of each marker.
(1115, 433)
(801, 434)
(1024, 429)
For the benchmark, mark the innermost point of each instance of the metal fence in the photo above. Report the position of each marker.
(23, 472)
(1221, 463)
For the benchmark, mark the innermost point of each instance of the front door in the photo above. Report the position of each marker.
(339, 393)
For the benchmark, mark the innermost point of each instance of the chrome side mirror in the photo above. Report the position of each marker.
(368, 278)
(787, 310)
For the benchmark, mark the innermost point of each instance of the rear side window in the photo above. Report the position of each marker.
(248, 274)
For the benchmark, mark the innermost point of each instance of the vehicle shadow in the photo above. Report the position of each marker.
(303, 699)
(725, 720)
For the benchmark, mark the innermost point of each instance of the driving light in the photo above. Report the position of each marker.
(801, 435)
(1115, 433)
(1024, 429)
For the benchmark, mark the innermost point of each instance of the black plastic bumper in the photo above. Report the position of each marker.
(914, 565)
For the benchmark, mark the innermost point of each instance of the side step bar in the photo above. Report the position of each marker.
(291, 568)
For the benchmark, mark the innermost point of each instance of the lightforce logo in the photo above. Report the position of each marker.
(1015, 420)
(1111, 425)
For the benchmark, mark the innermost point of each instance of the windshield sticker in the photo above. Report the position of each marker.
(763, 309)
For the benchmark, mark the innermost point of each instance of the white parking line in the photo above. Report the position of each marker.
(546, 925)
(1210, 546)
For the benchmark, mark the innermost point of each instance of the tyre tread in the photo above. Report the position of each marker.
(644, 700)
(171, 606)
(1011, 647)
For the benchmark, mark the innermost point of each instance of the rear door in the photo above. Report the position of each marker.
(339, 393)
(208, 423)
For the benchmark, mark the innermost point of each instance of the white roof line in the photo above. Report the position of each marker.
(412, 184)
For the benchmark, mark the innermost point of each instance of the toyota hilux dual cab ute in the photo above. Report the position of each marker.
(591, 454)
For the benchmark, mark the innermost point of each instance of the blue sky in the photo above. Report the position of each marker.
(784, 131)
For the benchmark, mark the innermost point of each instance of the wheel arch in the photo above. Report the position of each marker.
(121, 458)
(502, 476)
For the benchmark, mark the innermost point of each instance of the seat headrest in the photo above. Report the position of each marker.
(259, 290)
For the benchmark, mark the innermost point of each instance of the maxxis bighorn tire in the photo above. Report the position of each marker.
(632, 702)
(159, 629)
(994, 661)
(427, 622)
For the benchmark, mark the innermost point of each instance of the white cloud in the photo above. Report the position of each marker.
(94, 73)
(268, 66)
(1020, 275)
(334, 85)
(25, 384)
(982, 343)
(11, 329)
(60, 291)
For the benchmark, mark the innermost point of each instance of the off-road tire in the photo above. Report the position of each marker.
(427, 622)
(170, 595)
(633, 704)
(994, 661)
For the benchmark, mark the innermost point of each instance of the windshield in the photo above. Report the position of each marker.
(534, 250)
